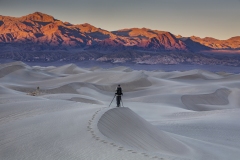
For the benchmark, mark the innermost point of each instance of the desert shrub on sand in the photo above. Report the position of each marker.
(34, 93)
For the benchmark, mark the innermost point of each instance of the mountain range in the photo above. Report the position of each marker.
(36, 33)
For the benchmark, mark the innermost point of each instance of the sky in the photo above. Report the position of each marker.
(203, 18)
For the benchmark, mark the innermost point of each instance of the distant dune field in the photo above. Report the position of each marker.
(63, 113)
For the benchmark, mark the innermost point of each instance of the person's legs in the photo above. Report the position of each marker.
(118, 101)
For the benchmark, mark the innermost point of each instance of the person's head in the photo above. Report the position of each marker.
(119, 85)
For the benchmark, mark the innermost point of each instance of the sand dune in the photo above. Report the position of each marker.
(62, 113)
(127, 128)
(68, 69)
(189, 75)
(8, 68)
(121, 68)
(218, 99)
(197, 74)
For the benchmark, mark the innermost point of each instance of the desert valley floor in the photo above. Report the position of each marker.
(190, 115)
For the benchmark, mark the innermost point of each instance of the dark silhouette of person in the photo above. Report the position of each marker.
(118, 95)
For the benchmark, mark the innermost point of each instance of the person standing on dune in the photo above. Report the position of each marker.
(118, 94)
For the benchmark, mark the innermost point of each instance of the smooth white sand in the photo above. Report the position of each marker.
(167, 115)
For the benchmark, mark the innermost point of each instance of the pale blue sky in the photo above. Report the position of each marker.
(203, 18)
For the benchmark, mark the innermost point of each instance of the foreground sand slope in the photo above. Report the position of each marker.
(126, 128)
(167, 115)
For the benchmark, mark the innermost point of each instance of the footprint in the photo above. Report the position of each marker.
(145, 154)
(155, 157)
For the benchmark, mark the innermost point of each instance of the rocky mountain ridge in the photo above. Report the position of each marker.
(231, 43)
(41, 37)
(44, 32)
